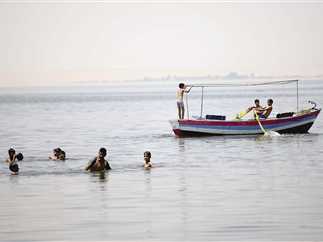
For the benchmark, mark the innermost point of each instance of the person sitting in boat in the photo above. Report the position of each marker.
(266, 111)
(99, 163)
(12, 160)
(258, 109)
(255, 107)
(58, 154)
(180, 99)
(147, 157)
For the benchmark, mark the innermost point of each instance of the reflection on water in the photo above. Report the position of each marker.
(209, 188)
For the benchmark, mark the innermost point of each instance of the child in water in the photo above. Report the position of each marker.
(58, 154)
(99, 163)
(12, 160)
(62, 155)
(147, 157)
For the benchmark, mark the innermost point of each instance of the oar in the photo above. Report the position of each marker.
(266, 133)
(260, 125)
(242, 114)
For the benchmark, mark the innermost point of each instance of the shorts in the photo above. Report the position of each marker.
(180, 105)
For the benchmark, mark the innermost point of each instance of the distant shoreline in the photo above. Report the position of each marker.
(174, 79)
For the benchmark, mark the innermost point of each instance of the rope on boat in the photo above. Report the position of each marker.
(243, 84)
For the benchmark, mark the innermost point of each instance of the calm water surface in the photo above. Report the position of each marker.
(213, 188)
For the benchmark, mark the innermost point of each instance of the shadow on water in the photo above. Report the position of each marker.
(100, 176)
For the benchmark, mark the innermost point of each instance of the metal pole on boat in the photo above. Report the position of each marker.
(297, 94)
(187, 113)
(202, 97)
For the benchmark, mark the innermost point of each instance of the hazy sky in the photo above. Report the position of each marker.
(57, 43)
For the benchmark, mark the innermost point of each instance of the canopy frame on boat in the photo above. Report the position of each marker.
(202, 86)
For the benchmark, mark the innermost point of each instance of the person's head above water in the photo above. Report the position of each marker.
(257, 102)
(57, 151)
(181, 85)
(62, 155)
(11, 151)
(20, 156)
(102, 152)
(270, 102)
(147, 156)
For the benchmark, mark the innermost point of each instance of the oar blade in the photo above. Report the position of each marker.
(241, 114)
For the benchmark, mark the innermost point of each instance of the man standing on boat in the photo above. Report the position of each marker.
(180, 99)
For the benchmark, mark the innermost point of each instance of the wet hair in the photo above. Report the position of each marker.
(57, 150)
(14, 168)
(181, 85)
(20, 156)
(147, 153)
(256, 100)
(270, 101)
(62, 155)
(11, 150)
(103, 150)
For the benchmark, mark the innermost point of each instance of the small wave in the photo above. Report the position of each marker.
(161, 136)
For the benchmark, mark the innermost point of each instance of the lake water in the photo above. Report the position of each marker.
(201, 189)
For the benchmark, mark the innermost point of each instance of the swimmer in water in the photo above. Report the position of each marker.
(99, 163)
(58, 154)
(62, 155)
(147, 157)
(12, 160)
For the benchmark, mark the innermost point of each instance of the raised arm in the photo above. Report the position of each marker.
(187, 89)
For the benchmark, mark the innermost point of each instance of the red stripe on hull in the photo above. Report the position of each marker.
(247, 123)
(295, 130)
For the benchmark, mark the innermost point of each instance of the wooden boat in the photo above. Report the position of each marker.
(292, 122)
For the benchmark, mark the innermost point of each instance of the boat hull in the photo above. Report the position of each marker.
(300, 123)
